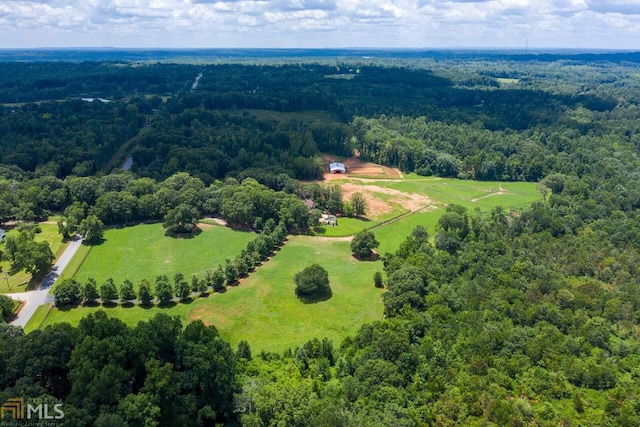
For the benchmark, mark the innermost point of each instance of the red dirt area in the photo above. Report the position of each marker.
(377, 206)
(358, 168)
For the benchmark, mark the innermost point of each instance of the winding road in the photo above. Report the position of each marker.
(41, 295)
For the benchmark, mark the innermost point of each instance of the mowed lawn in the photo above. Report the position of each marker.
(143, 252)
(264, 309)
(392, 235)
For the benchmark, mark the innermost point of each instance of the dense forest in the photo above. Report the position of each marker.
(505, 319)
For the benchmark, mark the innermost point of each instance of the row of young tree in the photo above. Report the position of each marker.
(258, 250)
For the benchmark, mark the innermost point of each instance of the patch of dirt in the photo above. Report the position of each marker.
(377, 206)
(203, 225)
(356, 167)
(332, 239)
(197, 315)
(218, 221)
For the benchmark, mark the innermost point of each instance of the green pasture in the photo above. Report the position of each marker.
(143, 252)
(37, 318)
(442, 191)
(263, 308)
(392, 235)
(470, 194)
(351, 226)
(19, 282)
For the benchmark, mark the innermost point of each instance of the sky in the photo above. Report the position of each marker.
(589, 24)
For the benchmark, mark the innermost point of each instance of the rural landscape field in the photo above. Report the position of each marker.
(260, 308)
(320, 237)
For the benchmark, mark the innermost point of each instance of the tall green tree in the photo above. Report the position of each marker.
(182, 219)
(67, 292)
(127, 292)
(145, 293)
(108, 291)
(90, 291)
(363, 244)
(313, 281)
(164, 290)
(358, 203)
(92, 229)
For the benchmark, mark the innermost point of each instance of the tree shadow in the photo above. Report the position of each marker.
(146, 306)
(194, 233)
(188, 300)
(169, 304)
(90, 304)
(127, 304)
(318, 230)
(109, 304)
(67, 307)
(101, 241)
(316, 297)
(375, 256)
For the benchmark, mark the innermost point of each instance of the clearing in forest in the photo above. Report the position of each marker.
(144, 251)
(264, 310)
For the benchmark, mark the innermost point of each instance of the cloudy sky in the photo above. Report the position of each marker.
(613, 24)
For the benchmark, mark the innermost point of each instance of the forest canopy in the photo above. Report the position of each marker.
(491, 318)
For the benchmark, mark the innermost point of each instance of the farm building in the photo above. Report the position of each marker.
(336, 167)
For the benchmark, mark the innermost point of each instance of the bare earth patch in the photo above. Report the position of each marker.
(356, 167)
(378, 206)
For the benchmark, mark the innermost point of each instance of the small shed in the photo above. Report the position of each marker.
(336, 167)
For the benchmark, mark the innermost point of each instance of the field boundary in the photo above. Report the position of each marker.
(84, 257)
(44, 319)
(372, 227)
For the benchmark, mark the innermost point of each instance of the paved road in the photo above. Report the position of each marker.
(41, 295)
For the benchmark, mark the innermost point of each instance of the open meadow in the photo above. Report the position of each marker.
(264, 310)
(144, 251)
(424, 200)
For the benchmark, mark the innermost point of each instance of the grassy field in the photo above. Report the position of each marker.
(37, 318)
(470, 194)
(264, 310)
(18, 282)
(351, 226)
(440, 192)
(143, 252)
(392, 235)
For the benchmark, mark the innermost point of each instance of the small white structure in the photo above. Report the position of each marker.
(336, 167)
(327, 219)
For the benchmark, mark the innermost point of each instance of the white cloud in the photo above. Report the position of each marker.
(321, 23)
